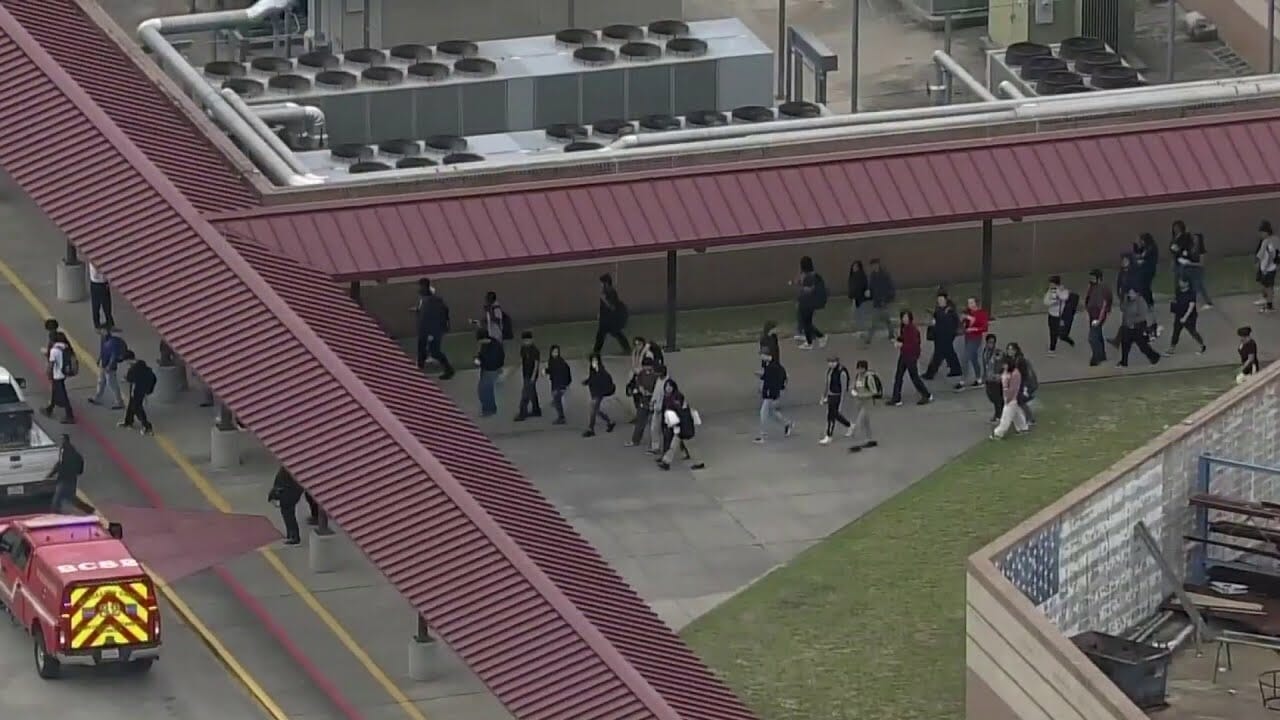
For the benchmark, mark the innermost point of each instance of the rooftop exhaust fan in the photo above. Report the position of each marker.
(1034, 68)
(415, 161)
(622, 33)
(1115, 76)
(351, 152)
(576, 37)
(336, 79)
(446, 143)
(612, 128)
(244, 87)
(1089, 62)
(752, 114)
(430, 71)
(365, 56)
(687, 47)
(271, 64)
(668, 29)
(706, 118)
(1057, 82)
(400, 147)
(1020, 52)
(1074, 47)
(660, 123)
(640, 51)
(289, 83)
(367, 166)
(594, 56)
(566, 132)
(475, 67)
(582, 145)
(411, 52)
(457, 48)
(462, 157)
(224, 69)
(383, 75)
(319, 59)
(799, 109)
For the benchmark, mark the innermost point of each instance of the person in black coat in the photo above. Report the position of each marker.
(942, 330)
(66, 475)
(612, 318)
(1146, 259)
(286, 492)
(601, 387)
(433, 324)
(561, 377)
(1126, 280)
(859, 295)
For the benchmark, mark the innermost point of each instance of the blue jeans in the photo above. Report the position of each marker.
(972, 359)
(1097, 344)
(486, 388)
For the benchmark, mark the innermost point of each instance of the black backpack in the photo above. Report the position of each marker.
(874, 383)
(70, 363)
(147, 381)
(819, 291)
(508, 326)
(687, 427)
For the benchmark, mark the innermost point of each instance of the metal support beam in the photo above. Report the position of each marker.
(783, 53)
(167, 358)
(988, 231)
(226, 418)
(1148, 541)
(672, 287)
(354, 291)
(1271, 36)
(422, 633)
(322, 522)
(72, 257)
(1173, 32)
(853, 57)
(948, 82)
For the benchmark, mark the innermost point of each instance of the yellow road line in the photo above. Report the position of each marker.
(214, 498)
(211, 640)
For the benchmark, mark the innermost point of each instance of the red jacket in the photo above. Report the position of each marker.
(909, 336)
(977, 324)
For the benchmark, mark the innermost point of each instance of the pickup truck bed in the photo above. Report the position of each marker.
(27, 455)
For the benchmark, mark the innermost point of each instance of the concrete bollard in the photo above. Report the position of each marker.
(224, 448)
(424, 658)
(323, 551)
(168, 383)
(72, 282)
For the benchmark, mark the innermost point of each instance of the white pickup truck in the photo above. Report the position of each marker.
(27, 453)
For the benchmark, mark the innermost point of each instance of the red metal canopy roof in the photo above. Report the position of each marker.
(706, 207)
(499, 574)
(146, 114)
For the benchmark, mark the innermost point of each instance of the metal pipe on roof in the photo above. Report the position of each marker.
(949, 64)
(309, 116)
(1010, 90)
(260, 128)
(248, 130)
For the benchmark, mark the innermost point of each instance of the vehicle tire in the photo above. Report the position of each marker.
(47, 666)
(140, 666)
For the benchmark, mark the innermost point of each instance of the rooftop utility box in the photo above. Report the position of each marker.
(460, 87)
(934, 13)
(1051, 21)
(344, 24)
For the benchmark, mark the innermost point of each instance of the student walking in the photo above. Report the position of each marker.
(772, 382)
(992, 367)
(1268, 255)
(882, 291)
(1248, 350)
(1055, 303)
(644, 383)
(682, 426)
(530, 371)
(769, 345)
(1011, 413)
(838, 380)
(1030, 383)
(491, 360)
(866, 390)
(1126, 280)
(812, 298)
(100, 298)
(657, 437)
(1185, 315)
(61, 364)
(433, 325)
(943, 327)
(908, 344)
(1097, 303)
(494, 320)
(1179, 241)
(611, 317)
(601, 387)
(1135, 328)
(859, 296)
(66, 476)
(976, 321)
(1191, 263)
(142, 382)
(111, 352)
(560, 376)
(1146, 257)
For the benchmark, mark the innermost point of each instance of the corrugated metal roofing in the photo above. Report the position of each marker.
(142, 110)
(962, 181)
(501, 577)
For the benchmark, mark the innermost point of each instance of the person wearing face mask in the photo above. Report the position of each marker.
(943, 327)
(837, 382)
(561, 377)
(601, 387)
(773, 380)
(1097, 303)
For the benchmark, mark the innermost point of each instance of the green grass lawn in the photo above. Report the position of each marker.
(722, 326)
(870, 622)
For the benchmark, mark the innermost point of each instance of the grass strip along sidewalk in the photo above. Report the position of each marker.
(740, 324)
(870, 622)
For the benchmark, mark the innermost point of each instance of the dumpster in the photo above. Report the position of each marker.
(1140, 671)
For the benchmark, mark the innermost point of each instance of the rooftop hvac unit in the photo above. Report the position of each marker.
(339, 162)
(477, 88)
(1051, 21)
(1078, 64)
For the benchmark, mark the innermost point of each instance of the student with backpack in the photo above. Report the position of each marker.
(812, 298)
(833, 396)
(867, 390)
(63, 364)
(142, 382)
(601, 387)
(110, 354)
(560, 376)
(611, 318)
(773, 380)
(682, 424)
